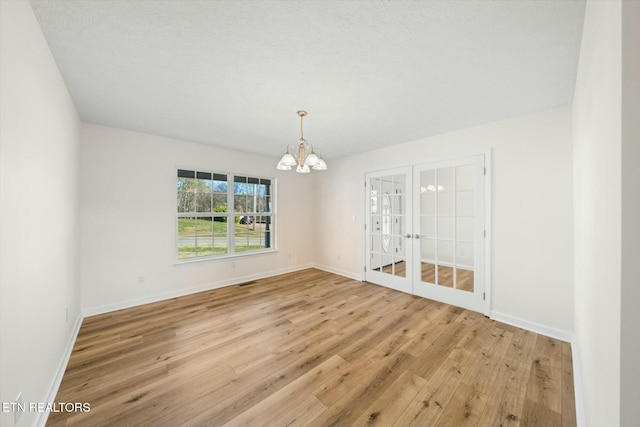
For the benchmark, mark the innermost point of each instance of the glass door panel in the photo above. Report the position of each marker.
(388, 246)
(449, 223)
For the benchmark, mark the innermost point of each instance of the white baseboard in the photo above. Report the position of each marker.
(339, 272)
(538, 328)
(54, 385)
(107, 308)
(581, 420)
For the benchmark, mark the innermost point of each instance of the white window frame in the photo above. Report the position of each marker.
(230, 215)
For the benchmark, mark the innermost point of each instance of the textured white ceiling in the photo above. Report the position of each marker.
(370, 73)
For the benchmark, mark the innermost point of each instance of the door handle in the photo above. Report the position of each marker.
(408, 236)
(417, 236)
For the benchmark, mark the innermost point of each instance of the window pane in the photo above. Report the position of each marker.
(400, 267)
(203, 202)
(185, 184)
(465, 178)
(445, 179)
(399, 222)
(428, 203)
(399, 184)
(186, 201)
(375, 260)
(387, 263)
(428, 272)
(427, 250)
(204, 236)
(374, 185)
(464, 255)
(220, 235)
(240, 203)
(445, 276)
(203, 184)
(464, 280)
(445, 251)
(445, 228)
(249, 236)
(219, 186)
(464, 203)
(427, 181)
(268, 231)
(219, 202)
(250, 203)
(464, 229)
(428, 226)
(445, 204)
(261, 203)
(186, 237)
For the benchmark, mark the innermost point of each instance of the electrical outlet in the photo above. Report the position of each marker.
(18, 408)
(141, 280)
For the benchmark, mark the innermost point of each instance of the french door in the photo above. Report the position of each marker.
(388, 239)
(426, 230)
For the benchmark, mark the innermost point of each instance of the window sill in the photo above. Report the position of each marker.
(227, 257)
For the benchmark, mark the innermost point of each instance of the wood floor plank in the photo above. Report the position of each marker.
(431, 400)
(341, 385)
(312, 348)
(280, 402)
(464, 408)
(388, 406)
(482, 373)
(507, 397)
(545, 380)
(301, 414)
(345, 411)
(537, 415)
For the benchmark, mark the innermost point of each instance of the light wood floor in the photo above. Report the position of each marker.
(313, 348)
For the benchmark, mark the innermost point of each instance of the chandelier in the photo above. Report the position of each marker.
(304, 158)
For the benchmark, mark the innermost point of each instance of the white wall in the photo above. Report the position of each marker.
(128, 218)
(630, 274)
(597, 212)
(532, 209)
(39, 259)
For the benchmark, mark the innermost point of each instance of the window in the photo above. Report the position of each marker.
(222, 214)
